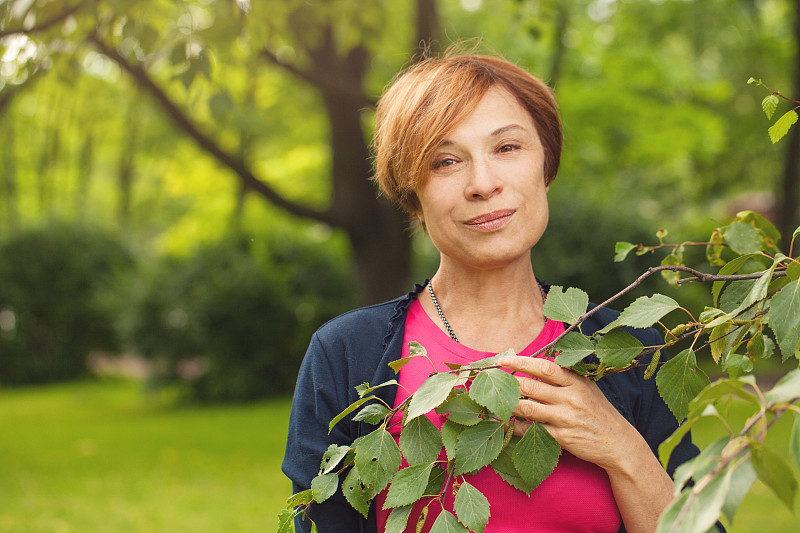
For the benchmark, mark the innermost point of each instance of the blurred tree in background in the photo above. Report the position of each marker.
(191, 127)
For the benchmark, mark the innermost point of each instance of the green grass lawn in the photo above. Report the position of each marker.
(102, 457)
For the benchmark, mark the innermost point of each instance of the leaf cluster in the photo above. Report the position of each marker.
(769, 104)
(476, 402)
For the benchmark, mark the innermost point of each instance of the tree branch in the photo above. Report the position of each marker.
(44, 25)
(324, 83)
(699, 276)
(205, 142)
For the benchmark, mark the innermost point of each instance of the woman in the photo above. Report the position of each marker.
(468, 146)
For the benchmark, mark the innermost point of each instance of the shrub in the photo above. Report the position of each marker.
(248, 319)
(49, 317)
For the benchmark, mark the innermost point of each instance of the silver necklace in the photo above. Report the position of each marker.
(444, 320)
(441, 314)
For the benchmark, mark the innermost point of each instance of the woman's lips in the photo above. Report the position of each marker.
(491, 221)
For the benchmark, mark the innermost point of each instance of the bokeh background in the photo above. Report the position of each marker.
(185, 197)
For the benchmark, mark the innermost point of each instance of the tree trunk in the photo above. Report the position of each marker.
(427, 28)
(127, 166)
(10, 173)
(381, 247)
(559, 47)
(787, 219)
(85, 168)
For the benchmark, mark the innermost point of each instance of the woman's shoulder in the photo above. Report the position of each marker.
(369, 322)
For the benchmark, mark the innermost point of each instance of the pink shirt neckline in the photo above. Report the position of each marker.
(576, 497)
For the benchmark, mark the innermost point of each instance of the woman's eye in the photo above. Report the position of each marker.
(508, 148)
(445, 162)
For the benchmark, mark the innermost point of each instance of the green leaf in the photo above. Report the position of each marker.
(446, 522)
(717, 390)
(415, 349)
(758, 291)
(436, 480)
(700, 465)
(786, 389)
(357, 492)
(784, 319)
(769, 104)
(697, 514)
(324, 486)
(644, 312)
(617, 348)
(622, 249)
(408, 485)
(399, 364)
(352, 407)
(377, 459)
(782, 126)
(793, 271)
(735, 293)
(432, 393)
(536, 455)
(719, 340)
(505, 468)
(741, 481)
(420, 441)
(794, 441)
(774, 471)
(769, 232)
(498, 390)
(566, 306)
(489, 361)
(731, 267)
(462, 410)
(301, 498)
(450, 432)
(478, 446)
(471, 507)
(398, 519)
(755, 346)
(373, 413)
(286, 521)
(331, 458)
(573, 347)
(364, 388)
(743, 238)
(671, 276)
(680, 380)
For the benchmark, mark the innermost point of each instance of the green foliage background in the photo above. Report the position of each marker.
(661, 130)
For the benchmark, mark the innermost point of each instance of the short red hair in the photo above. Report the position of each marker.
(427, 101)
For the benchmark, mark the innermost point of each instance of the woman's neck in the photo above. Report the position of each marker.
(488, 310)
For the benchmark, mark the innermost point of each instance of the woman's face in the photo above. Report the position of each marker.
(484, 204)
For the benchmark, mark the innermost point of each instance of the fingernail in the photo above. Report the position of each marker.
(504, 361)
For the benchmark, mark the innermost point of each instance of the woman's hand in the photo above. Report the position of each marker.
(575, 412)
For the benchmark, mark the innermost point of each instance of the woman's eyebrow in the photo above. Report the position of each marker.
(504, 129)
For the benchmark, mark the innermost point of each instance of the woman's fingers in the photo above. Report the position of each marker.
(544, 369)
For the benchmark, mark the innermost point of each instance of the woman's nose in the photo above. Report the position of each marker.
(484, 181)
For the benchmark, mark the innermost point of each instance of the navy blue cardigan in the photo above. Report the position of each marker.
(357, 347)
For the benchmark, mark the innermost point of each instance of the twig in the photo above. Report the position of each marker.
(44, 25)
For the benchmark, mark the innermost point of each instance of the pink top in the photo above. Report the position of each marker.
(576, 497)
